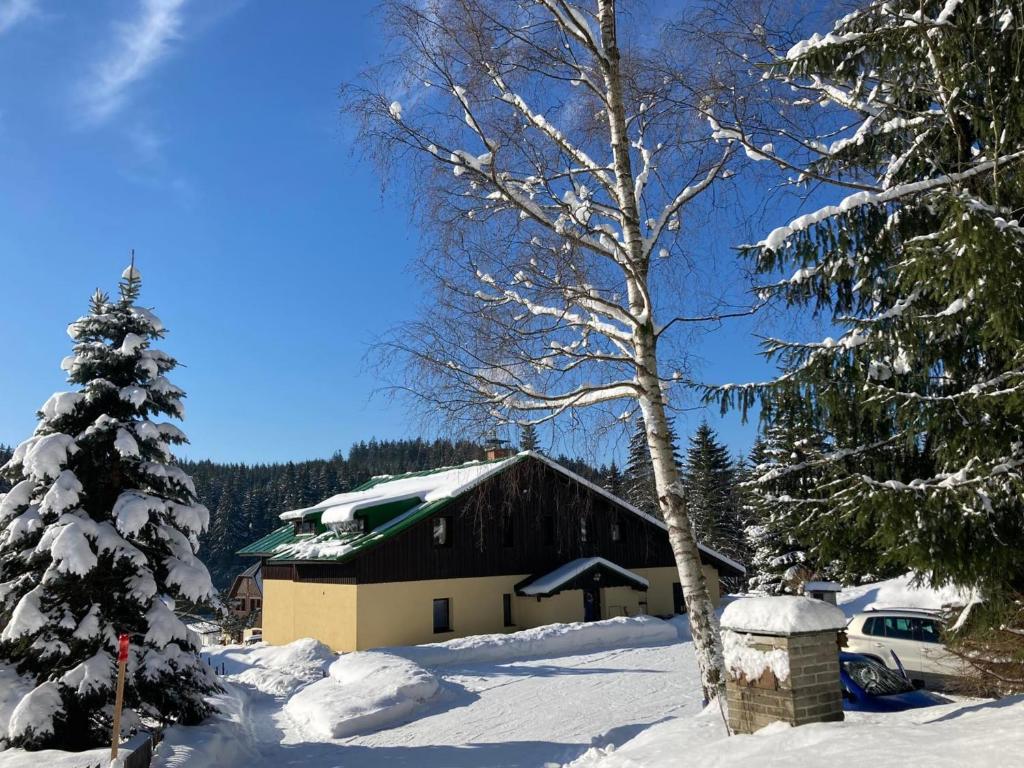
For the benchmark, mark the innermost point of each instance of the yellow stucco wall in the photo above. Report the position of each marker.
(402, 613)
(349, 617)
(293, 609)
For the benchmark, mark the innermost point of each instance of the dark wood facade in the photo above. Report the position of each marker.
(528, 519)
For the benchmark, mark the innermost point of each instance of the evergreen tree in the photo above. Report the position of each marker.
(5, 454)
(99, 537)
(920, 267)
(528, 440)
(777, 559)
(709, 477)
(638, 477)
(613, 479)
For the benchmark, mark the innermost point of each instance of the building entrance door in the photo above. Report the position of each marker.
(592, 604)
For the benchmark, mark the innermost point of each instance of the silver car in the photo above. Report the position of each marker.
(915, 635)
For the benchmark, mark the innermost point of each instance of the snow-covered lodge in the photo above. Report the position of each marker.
(509, 543)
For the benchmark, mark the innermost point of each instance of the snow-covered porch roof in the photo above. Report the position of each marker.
(583, 572)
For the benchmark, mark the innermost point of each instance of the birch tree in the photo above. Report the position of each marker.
(557, 164)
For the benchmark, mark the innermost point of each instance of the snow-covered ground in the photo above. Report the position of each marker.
(495, 706)
(615, 694)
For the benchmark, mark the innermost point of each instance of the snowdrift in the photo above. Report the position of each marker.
(365, 692)
(547, 641)
(983, 735)
(223, 739)
(898, 593)
(279, 670)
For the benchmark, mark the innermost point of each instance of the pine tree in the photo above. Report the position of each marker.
(528, 440)
(638, 486)
(613, 479)
(709, 478)
(919, 266)
(638, 476)
(100, 533)
(777, 559)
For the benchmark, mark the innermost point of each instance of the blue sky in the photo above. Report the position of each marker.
(207, 137)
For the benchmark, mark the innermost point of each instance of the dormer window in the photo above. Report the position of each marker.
(304, 525)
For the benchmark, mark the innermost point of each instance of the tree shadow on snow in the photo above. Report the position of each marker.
(1008, 701)
(509, 754)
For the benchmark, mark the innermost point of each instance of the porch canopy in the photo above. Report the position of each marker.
(579, 574)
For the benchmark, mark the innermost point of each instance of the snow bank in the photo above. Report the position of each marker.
(784, 615)
(898, 593)
(279, 670)
(981, 735)
(550, 640)
(54, 758)
(366, 691)
(223, 739)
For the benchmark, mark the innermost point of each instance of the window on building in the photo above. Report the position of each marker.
(507, 533)
(616, 531)
(549, 530)
(506, 609)
(442, 615)
(442, 532)
(257, 604)
(305, 526)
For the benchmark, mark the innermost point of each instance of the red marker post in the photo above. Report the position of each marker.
(122, 662)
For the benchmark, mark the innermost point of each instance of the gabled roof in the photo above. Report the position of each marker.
(550, 583)
(268, 544)
(392, 503)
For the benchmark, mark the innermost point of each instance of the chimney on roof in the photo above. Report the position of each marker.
(495, 448)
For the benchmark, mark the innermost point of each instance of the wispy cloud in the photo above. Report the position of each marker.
(13, 12)
(141, 43)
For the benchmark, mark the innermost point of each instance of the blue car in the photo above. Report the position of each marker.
(871, 687)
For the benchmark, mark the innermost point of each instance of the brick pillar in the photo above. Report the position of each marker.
(787, 672)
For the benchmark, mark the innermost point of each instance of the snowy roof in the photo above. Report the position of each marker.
(444, 483)
(204, 627)
(433, 489)
(784, 615)
(822, 586)
(556, 579)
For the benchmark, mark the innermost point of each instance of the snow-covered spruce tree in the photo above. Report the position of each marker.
(528, 440)
(98, 537)
(638, 476)
(919, 264)
(709, 477)
(778, 560)
(612, 479)
(550, 158)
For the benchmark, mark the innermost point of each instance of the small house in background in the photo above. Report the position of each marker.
(822, 590)
(245, 598)
(209, 633)
(513, 542)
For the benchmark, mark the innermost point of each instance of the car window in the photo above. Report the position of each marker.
(927, 630)
(875, 679)
(873, 626)
(899, 627)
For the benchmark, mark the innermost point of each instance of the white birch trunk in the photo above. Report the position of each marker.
(703, 624)
(672, 502)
